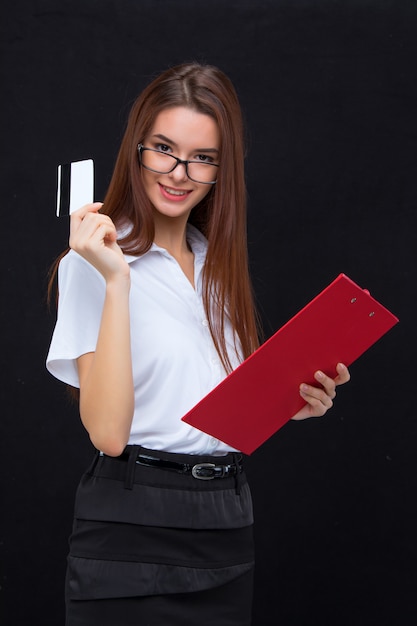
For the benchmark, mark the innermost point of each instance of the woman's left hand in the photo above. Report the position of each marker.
(320, 399)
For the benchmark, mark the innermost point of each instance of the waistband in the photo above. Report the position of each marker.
(200, 467)
(194, 468)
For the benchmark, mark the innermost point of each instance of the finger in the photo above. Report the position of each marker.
(318, 398)
(94, 232)
(92, 207)
(328, 383)
(91, 221)
(105, 231)
(85, 227)
(343, 374)
(78, 216)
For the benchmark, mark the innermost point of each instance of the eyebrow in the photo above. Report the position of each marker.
(172, 143)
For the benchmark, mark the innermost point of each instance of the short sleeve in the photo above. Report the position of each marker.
(81, 290)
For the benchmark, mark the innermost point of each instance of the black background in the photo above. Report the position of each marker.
(329, 93)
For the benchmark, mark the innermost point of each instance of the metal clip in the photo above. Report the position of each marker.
(203, 471)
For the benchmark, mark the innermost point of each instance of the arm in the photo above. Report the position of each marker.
(320, 399)
(106, 380)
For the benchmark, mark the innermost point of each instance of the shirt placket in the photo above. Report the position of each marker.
(193, 298)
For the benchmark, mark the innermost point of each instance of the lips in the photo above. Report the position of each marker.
(174, 194)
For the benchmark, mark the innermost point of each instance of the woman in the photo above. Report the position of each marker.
(155, 308)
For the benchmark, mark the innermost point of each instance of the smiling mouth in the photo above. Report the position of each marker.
(175, 192)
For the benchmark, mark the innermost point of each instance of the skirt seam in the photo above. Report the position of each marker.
(176, 562)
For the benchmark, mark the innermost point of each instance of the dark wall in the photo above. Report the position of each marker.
(329, 92)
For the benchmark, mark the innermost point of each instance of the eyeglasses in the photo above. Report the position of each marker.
(164, 163)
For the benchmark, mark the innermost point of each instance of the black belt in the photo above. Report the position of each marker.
(202, 471)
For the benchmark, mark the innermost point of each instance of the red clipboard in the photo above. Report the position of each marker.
(262, 394)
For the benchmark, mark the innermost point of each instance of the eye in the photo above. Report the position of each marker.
(204, 158)
(162, 147)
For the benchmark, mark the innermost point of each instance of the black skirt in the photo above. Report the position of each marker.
(151, 546)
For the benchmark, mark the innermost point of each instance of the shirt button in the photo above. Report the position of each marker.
(213, 442)
(205, 322)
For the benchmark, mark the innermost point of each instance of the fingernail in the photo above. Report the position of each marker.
(319, 374)
(304, 387)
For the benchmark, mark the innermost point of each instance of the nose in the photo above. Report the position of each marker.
(179, 173)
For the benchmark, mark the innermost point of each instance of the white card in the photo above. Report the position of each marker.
(75, 186)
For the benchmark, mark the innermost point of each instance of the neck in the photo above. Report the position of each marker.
(171, 235)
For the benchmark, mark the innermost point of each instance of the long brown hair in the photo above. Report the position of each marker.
(221, 215)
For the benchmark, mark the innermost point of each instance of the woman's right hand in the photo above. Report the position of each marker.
(94, 236)
(105, 375)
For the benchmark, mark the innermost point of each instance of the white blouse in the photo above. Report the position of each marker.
(174, 359)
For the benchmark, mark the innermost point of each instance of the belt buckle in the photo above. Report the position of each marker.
(204, 467)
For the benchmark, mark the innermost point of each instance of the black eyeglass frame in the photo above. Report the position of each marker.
(141, 148)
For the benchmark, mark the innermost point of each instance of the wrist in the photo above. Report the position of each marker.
(118, 285)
